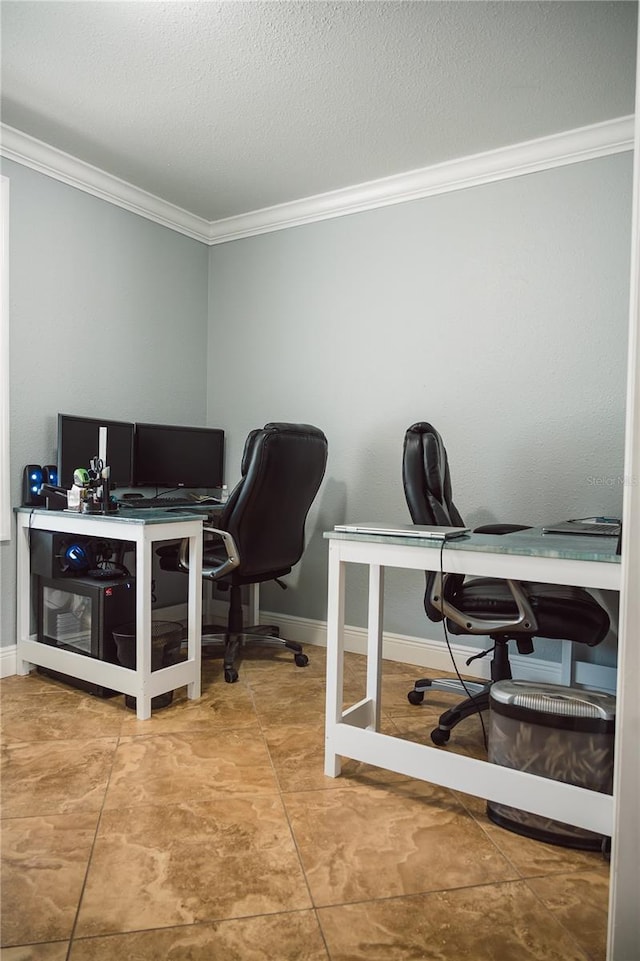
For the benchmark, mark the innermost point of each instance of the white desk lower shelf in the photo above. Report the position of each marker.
(355, 732)
(143, 529)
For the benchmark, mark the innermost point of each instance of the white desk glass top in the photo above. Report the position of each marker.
(530, 543)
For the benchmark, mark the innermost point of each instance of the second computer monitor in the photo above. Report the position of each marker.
(169, 456)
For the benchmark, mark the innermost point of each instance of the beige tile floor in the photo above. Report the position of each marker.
(211, 832)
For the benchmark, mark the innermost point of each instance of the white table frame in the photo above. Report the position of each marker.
(354, 733)
(141, 683)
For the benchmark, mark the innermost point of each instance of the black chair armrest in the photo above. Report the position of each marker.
(228, 564)
(525, 622)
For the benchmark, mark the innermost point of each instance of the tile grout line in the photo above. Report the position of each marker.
(93, 844)
(588, 955)
(291, 831)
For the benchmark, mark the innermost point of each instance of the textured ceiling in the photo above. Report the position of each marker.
(224, 108)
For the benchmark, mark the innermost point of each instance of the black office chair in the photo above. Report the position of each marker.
(260, 534)
(505, 610)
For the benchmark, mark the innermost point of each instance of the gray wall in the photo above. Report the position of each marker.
(498, 313)
(108, 318)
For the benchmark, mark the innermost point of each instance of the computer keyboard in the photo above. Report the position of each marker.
(590, 528)
(138, 503)
(612, 530)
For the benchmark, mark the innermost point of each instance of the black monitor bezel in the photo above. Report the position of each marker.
(174, 478)
(115, 479)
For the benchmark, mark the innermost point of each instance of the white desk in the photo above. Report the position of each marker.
(142, 528)
(354, 733)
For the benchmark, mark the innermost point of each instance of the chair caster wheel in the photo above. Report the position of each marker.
(230, 675)
(301, 660)
(440, 737)
(415, 697)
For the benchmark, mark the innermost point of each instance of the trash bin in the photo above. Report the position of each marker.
(562, 733)
(166, 638)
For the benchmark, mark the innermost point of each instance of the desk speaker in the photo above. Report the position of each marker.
(32, 481)
(50, 475)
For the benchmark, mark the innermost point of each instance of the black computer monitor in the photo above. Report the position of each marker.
(78, 442)
(168, 456)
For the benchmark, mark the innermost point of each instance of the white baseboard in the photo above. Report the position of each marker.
(430, 653)
(8, 661)
(422, 652)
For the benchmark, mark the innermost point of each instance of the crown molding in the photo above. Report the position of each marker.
(569, 147)
(40, 156)
(572, 146)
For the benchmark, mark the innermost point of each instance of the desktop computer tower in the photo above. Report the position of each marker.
(80, 614)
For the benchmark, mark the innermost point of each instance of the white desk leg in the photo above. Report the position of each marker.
(23, 592)
(335, 657)
(143, 627)
(374, 642)
(194, 635)
(567, 664)
(254, 604)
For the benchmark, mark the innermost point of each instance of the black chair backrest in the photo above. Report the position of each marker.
(426, 478)
(281, 471)
(427, 489)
